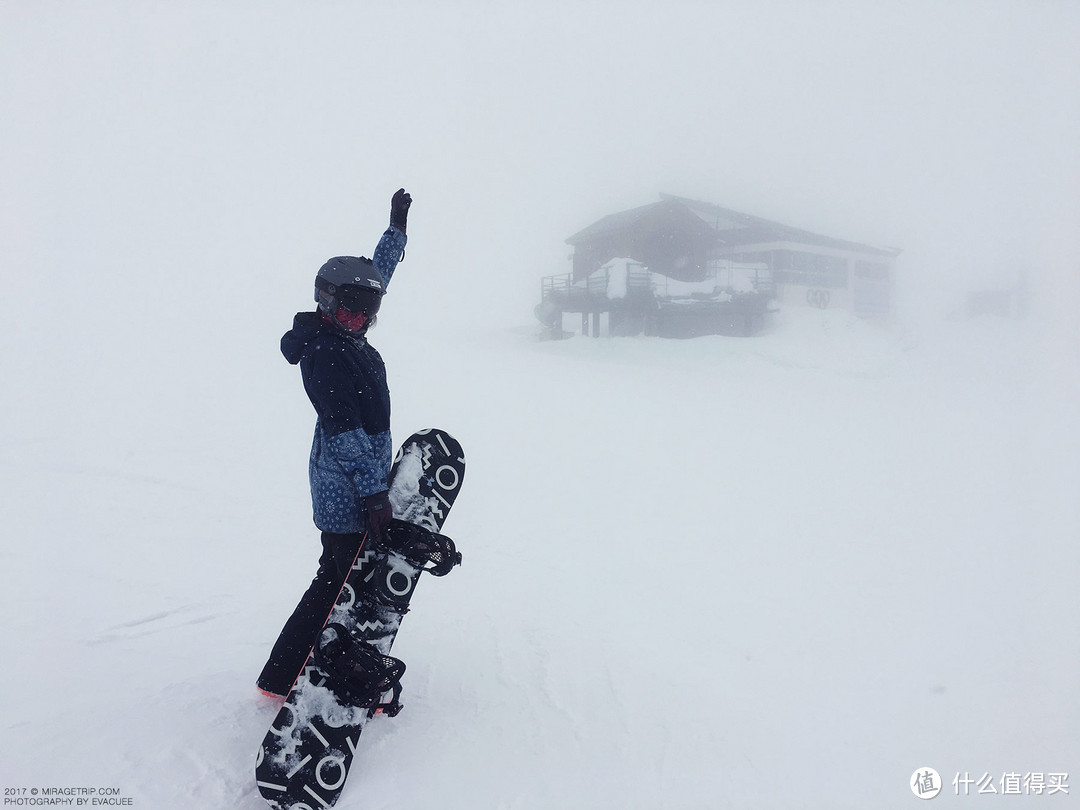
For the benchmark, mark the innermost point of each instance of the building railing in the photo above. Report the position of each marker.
(595, 291)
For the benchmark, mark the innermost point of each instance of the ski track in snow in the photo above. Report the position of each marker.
(163, 622)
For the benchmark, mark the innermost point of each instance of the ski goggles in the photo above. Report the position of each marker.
(359, 299)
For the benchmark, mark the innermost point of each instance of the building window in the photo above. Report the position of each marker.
(760, 256)
(811, 269)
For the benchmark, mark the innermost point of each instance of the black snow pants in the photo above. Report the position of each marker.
(302, 629)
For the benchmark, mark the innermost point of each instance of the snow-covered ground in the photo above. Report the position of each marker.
(779, 572)
(783, 571)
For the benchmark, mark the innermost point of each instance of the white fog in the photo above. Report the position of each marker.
(783, 570)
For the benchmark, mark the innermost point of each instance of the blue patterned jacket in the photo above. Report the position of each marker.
(345, 379)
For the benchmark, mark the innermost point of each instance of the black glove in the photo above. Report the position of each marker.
(399, 208)
(379, 513)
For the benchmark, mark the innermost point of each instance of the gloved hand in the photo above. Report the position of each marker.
(379, 513)
(399, 208)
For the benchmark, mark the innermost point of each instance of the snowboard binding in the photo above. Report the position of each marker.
(431, 552)
(392, 564)
(357, 673)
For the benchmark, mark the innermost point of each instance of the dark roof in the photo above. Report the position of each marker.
(614, 223)
(737, 228)
(732, 227)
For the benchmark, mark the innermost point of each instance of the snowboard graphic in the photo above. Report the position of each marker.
(350, 675)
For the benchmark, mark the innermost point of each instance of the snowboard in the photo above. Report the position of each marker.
(350, 675)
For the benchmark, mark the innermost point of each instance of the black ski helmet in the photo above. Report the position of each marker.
(346, 275)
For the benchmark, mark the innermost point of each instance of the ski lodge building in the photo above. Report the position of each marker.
(682, 268)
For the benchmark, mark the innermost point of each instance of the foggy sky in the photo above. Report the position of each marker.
(247, 141)
(172, 175)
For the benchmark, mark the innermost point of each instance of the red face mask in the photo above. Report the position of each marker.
(350, 321)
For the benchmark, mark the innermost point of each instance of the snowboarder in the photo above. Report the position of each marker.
(351, 453)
